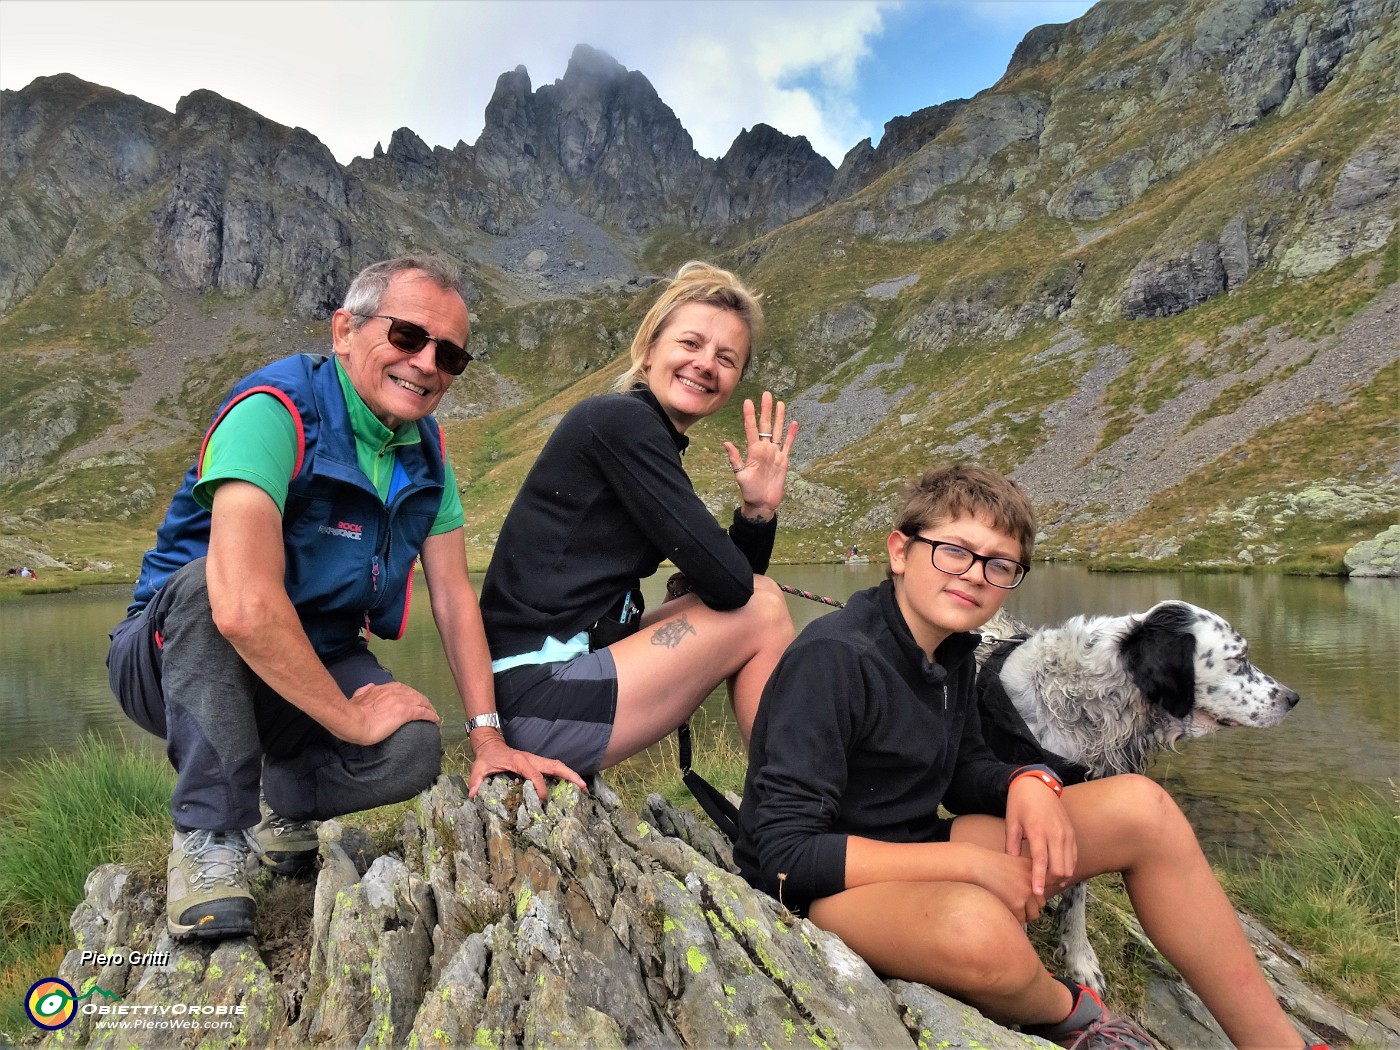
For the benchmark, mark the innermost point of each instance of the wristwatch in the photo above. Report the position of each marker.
(492, 721)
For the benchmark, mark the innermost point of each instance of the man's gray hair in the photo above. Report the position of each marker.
(367, 290)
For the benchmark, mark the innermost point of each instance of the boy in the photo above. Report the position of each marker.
(869, 722)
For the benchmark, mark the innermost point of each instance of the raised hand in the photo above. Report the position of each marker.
(761, 472)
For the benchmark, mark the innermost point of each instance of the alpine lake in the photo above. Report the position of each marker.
(1337, 642)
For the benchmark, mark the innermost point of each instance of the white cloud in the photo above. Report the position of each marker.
(353, 72)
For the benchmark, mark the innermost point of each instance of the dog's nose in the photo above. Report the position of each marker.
(1291, 698)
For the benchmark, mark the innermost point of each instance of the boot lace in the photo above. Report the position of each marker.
(217, 857)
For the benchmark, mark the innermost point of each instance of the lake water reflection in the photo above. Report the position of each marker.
(1335, 641)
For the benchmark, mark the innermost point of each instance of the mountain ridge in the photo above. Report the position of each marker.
(1158, 254)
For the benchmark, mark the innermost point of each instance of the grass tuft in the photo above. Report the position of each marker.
(63, 816)
(717, 754)
(1332, 892)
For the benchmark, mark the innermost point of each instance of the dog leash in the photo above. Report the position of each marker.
(810, 596)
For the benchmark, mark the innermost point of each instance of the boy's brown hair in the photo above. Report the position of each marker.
(949, 492)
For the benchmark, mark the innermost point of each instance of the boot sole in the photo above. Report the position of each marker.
(215, 920)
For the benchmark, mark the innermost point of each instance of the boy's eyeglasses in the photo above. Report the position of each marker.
(954, 560)
(410, 338)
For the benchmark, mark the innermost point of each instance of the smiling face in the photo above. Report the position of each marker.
(399, 387)
(695, 362)
(934, 603)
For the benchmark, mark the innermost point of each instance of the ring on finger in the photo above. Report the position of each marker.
(740, 467)
(765, 437)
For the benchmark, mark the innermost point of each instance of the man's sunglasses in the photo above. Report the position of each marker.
(410, 338)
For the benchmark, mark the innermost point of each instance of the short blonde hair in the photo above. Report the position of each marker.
(695, 282)
(959, 490)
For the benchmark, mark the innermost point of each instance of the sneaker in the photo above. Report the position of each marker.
(1090, 1026)
(288, 847)
(206, 891)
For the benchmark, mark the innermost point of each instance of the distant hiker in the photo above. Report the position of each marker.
(583, 673)
(322, 480)
(870, 722)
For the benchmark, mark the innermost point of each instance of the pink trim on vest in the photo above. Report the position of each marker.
(286, 402)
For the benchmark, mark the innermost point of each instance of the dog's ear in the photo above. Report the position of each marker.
(1160, 657)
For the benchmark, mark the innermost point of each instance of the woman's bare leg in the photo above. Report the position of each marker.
(683, 651)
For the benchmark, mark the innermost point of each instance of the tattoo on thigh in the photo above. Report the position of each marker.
(672, 634)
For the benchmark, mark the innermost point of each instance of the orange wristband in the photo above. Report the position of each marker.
(1044, 777)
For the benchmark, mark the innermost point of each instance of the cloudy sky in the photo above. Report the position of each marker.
(352, 71)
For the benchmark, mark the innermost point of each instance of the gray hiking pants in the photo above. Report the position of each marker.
(225, 731)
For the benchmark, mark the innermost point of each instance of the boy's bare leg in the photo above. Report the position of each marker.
(1130, 824)
(952, 936)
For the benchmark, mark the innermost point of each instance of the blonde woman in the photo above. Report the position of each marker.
(583, 675)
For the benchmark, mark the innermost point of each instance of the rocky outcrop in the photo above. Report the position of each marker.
(505, 922)
(243, 203)
(903, 137)
(1162, 288)
(765, 176)
(1375, 557)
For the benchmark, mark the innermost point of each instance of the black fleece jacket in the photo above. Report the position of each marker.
(604, 504)
(858, 733)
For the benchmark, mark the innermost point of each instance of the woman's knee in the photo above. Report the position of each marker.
(769, 606)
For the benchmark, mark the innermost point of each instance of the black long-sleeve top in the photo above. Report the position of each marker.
(858, 733)
(604, 504)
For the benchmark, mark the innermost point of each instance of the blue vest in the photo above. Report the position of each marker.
(349, 557)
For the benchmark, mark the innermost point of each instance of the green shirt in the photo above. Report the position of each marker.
(256, 441)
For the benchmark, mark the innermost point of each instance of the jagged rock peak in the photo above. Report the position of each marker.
(761, 146)
(204, 105)
(588, 63)
(405, 142)
(514, 84)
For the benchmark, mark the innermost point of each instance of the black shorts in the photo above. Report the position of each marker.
(561, 710)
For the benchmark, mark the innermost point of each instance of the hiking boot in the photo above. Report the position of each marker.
(1090, 1026)
(288, 847)
(206, 891)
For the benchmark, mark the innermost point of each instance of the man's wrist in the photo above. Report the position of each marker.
(490, 720)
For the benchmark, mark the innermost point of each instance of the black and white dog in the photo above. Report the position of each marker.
(1100, 695)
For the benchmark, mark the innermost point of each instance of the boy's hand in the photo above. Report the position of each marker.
(1035, 816)
(1008, 879)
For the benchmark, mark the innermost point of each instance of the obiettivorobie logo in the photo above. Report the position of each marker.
(52, 1003)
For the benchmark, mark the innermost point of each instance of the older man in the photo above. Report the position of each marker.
(320, 483)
